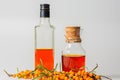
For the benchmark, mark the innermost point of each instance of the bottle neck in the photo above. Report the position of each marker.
(73, 43)
(45, 20)
(45, 15)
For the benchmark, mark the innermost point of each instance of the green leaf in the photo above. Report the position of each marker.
(55, 67)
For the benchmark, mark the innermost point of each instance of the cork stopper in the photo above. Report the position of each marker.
(73, 34)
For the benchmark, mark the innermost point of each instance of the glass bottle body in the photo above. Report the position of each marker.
(73, 56)
(44, 44)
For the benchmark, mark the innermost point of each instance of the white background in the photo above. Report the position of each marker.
(100, 20)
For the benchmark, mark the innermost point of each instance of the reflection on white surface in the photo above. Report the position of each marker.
(115, 78)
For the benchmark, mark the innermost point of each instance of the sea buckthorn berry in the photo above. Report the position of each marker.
(81, 79)
(66, 78)
(91, 79)
(56, 75)
(90, 74)
(97, 77)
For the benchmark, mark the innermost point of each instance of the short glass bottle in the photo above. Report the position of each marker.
(73, 56)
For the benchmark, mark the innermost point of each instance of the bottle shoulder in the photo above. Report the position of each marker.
(44, 27)
(74, 48)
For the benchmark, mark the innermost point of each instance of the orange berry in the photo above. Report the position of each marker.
(81, 78)
(90, 74)
(97, 77)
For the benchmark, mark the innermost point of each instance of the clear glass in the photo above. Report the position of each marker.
(44, 43)
(73, 56)
(74, 48)
(44, 34)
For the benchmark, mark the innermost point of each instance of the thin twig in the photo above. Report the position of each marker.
(94, 68)
(106, 77)
(8, 73)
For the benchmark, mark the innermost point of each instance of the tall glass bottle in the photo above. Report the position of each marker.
(44, 39)
(73, 56)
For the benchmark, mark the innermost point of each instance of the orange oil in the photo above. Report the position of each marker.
(47, 57)
(72, 61)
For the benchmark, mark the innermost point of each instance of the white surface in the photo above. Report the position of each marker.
(116, 79)
(99, 18)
